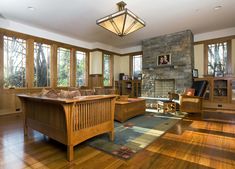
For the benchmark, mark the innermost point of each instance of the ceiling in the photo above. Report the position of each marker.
(77, 18)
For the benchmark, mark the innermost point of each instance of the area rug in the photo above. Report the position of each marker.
(135, 134)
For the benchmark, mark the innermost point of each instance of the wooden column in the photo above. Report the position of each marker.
(53, 66)
(29, 63)
(73, 68)
(1, 61)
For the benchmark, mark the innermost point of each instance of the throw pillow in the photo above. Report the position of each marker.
(69, 94)
(190, 92)
(49, 93)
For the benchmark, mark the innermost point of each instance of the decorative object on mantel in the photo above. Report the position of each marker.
(164, 60)
(122, 22)
(195, 73)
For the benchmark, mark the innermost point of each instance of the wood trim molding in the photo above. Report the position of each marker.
(229, 61)
(1, 61)
(29, 63)
(105, 51)
(114, 53)
(53, 66)
(215, 40)
(131, 65)
(73, 67)
(132, 53)
(41, 40)
(60, 44)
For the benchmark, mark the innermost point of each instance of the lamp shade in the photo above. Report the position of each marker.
(122, 22)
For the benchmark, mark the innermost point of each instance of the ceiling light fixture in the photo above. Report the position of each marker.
(122, 22)
(217, 7)
(31, 8)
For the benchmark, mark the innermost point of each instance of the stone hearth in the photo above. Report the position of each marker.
(180, 46)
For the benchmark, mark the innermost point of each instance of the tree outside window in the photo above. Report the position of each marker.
(63, 67)
(137, 65)
(217, 58)
(14, 62)
(42, 54)
(107, 70)
(81, 68)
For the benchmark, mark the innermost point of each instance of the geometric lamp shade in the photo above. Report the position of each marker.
(122, 22)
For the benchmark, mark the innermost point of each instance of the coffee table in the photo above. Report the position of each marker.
(125, 110)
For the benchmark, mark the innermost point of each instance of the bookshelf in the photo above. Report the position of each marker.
(132, 88)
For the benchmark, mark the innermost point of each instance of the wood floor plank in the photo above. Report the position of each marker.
(189, 144)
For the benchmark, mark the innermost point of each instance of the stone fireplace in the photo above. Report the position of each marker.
(158, 80)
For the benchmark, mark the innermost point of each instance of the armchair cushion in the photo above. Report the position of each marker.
(190, 92)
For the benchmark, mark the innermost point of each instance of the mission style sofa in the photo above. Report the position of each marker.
(68, 117)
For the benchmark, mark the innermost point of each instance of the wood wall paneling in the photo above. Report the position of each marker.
(1, 60)
(29, 63)
(73, 67)
(53, 66)
(95, 80)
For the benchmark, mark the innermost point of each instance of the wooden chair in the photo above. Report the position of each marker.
(193, 103)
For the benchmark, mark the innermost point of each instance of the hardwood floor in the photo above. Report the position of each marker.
(189, 144)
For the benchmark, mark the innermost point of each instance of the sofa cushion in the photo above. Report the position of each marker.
(99, 91)
(52, 93)
(87, 92)
(69, 94)
(110, 91)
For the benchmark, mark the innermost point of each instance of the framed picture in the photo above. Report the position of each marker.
(195, 73)
(164, 60)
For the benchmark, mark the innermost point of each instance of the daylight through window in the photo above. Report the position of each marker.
(137, 65)
(107, 70)
(81, 68)
(217, 58)
(63, 67)
(14, 62)
(42, 53)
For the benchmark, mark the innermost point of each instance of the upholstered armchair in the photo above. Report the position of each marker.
(191, 102)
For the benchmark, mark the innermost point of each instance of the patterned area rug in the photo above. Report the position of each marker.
(135, 134)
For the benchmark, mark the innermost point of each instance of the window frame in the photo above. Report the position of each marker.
(111, 66)
(50, 59)
(86, 69)
(26, 58)
(70, 67)
(132, 73)
(229, 54)
(131, 56)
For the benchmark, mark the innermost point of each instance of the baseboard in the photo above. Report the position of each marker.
(13, 114)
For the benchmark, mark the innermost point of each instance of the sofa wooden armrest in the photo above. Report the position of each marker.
(190, 104)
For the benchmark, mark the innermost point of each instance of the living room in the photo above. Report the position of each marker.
(72, 51)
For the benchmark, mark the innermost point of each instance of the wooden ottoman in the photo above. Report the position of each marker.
(125, 110)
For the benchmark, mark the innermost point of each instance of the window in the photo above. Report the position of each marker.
(107, 70)
(63, 67)
(218, 60)
(42, 53)
(137, 65)
(14, 62)
(81, 69)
